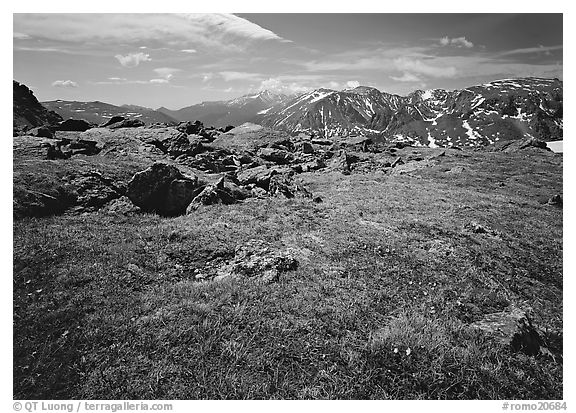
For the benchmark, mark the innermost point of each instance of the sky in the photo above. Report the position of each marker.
(177, 60)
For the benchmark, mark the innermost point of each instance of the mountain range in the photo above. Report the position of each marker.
(479, 115)
(98, 112)
(232, 112)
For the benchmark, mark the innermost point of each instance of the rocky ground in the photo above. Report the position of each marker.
(193, 262)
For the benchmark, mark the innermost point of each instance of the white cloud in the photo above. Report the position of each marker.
(17, 35)
(64, 83)
(159, 81)
(277, 85)
(166, 72)
(133, 59)
(416, 66)
(456, 41)
(188, 50)
(529, 50)
(352, 84)
(406, 77)
(231, 75)
(184, 32)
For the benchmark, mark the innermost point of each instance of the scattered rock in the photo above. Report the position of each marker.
(476, 228)
(112, 120)
(255, 259)
(277, 156)
(341, 163)
(162, 189)
(211, 194)
(512, 327)
(306, 147)
(259, 176)
(456, 170)
(556, 200)
(75, 125)
(285, 185)
(127, 123)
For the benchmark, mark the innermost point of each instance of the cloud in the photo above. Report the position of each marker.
(133, 59)
(20, 36)
(406, 77)
(529, 50)
(188, 50)
(232, 75)
(352, 84)
(166, 72)
(279, 86)
(207, 77)
(159, 81)
(187, 32)
(415, 66)
(64, 84)
(456, 41)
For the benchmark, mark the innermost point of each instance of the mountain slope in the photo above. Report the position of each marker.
(474, 116)
(330, 113)
(232, 112)
(98, 112)
(28, 112)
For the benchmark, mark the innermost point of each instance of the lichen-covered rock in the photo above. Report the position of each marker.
(255, 259)
(513, 328)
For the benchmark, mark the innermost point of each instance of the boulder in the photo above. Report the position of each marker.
(285, 185)
(79, 147)
(275, 155)
(341, 163)
(259, 176)
(74, 125)
(41, 132)
(191, 128)
(556, 200)
(93, 190)
(112, 120)
(162, 189)
(512, 327)
(127, 123)
(306, 147)
(255, 259)
(212, 194)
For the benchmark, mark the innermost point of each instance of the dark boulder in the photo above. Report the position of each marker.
(75, 125)
(162, 189)
(41, 132)
(113, 120)
(127, 123)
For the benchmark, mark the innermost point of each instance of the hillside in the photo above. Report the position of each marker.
(28, 112)
(99, 112)
(299, 270)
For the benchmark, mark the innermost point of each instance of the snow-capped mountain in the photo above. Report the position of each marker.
(330, 113)
(98, 112)
(474, 116)
(231, 112)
